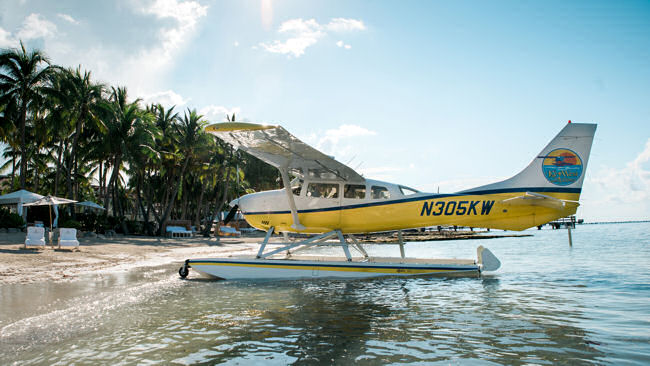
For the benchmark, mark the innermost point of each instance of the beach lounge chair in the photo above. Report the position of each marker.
(178, 232)
(68, 238)
(35, 237)
(228, 231)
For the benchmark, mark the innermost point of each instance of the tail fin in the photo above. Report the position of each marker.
(559, 167)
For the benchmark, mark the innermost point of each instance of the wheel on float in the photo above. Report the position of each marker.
(183, 272)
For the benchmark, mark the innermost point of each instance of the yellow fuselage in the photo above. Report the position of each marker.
(474, 210)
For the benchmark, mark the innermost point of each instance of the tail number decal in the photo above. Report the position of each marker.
(458, 208)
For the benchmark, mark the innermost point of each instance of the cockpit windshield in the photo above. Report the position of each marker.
(406, 191)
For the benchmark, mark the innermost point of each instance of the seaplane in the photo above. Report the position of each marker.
(332, 203)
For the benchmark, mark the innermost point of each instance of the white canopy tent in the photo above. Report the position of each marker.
(19, 198)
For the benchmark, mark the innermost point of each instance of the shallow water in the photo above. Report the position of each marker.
(548, 304)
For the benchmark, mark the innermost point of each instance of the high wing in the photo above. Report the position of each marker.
(277, 147)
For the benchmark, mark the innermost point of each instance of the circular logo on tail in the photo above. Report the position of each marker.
(562, 167)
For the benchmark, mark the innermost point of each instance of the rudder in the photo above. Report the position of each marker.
(560, 166)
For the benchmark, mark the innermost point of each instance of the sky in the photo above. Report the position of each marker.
(440, 96)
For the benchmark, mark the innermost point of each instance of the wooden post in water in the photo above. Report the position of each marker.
(570, 240)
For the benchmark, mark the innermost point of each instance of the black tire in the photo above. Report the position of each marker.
(183, 272)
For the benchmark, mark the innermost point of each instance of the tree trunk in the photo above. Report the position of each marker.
(197, 217)
(68, 169)
(145, 215)
(184, 200)
(172, 198)
(13, 168)
(105, 193)
(112, 183)
(73, 152)
(58, 168)
(104, 189)
(218, 207)
(23, 145)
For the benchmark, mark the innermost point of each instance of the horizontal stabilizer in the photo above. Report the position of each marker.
(537, 199)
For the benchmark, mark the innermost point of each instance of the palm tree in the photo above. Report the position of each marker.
(128, 133)
(189, 129)
(60, 104)
(21, 79)
(86, 106)
(7, 135)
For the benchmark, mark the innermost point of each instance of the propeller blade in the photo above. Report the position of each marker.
(231, 214)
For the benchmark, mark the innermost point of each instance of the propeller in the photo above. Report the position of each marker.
(231, 214)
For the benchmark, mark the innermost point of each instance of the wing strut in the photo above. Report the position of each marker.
(292, 203)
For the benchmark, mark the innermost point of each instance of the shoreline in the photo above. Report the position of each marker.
(95, 255)
(121, 253)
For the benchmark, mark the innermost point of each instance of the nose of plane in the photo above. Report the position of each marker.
(234, 202)
(242, 202)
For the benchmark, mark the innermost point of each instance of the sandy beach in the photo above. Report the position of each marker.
(19, 265)
(99, 254)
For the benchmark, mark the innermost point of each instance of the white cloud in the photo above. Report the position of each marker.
(6, 40)
(236, 44)
(167, 98)
(186, 14)
(217, 113)
(164, 29)
(619, 194)
(141, 67)
(345, 25)
(333, 136)
(341, 44)
(301, 34)
(385, 173)
(36, 26)
(68, 18)
(339, 142)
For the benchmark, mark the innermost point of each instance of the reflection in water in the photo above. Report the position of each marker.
(305, 322)
(547, 309)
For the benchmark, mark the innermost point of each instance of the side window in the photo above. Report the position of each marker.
(354, 191)
(379, 192)
(323, 190)
(296, 190)
(296, 186)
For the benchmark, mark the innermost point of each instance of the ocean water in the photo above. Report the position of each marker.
(548, 304)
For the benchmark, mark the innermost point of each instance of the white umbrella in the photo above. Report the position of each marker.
(51, 201)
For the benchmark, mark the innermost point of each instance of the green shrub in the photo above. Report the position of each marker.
(71, 224)
(9, 219)
(134, 227)
(89, 221)
(15, 220)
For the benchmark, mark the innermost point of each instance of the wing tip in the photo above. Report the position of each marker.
(236, 126)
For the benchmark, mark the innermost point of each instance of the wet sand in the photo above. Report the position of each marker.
(19, 265)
